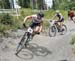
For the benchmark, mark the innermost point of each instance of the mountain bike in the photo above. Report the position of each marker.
(28, 36)
(54, 28)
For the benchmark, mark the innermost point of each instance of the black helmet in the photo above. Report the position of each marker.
(41, 14)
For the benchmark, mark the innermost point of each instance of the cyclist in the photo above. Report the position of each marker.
(37, 22)
(71, 14)
(60, 19)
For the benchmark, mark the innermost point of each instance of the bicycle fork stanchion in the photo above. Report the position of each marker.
(28, 39)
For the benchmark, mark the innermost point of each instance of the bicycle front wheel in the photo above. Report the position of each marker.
(21, 45)
(52, 31)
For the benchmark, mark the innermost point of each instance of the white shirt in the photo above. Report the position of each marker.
(36, 20)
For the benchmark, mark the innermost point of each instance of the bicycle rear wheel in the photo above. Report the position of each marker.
(64, 30)
(21, 44)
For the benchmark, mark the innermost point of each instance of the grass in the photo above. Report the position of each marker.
(73, 40)
(48, 15)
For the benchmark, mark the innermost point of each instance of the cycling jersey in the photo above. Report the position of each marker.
(36, 20)
(59, 15)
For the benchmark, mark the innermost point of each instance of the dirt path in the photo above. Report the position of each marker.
(52, 48)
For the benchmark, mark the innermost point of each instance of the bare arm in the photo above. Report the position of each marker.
(54, 17)
(25, 19)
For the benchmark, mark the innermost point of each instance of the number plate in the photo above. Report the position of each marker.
(30, 30)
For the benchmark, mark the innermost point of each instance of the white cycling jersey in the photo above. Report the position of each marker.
(36, 20)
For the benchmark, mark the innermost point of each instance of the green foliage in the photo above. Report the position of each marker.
(6, 19)
(49, 14)
(70, 5)
(24, 3)
(24, 13)
(40, 4)
(2, 28)
(8, 22)
(4, 4)
(63, 4)
(73, 40)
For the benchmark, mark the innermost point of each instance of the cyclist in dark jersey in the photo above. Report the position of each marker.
(60, 18)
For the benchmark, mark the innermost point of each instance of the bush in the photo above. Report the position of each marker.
(6, 22)
(6, 19)
(2, 28)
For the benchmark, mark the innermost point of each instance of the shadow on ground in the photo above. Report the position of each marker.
(33, 49)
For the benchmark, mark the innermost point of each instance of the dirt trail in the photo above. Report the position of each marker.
(53, 48)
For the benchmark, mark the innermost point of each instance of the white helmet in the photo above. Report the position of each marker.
(57, 11)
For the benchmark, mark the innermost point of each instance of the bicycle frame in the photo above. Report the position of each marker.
(52, 22)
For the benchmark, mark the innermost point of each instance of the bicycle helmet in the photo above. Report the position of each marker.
(41, 14)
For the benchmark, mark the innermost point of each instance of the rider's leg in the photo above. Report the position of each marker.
(36, 30)
(61, 24)
(35, 26)
(40, 29)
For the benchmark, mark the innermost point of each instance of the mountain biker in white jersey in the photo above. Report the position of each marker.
(37, 22)
(60, 19)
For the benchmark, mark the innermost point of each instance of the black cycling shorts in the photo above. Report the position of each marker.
(32, 25)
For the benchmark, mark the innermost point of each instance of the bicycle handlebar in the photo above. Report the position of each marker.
(24, 25)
